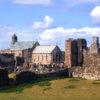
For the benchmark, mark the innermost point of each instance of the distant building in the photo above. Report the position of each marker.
(24, 49)
(7, 60)
(71, 53)
(21, 50)
(74, 52)
(32, 52)
(94, 48)
(46, 54)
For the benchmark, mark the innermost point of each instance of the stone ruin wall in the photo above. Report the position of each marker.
(91, 62)
(91, 67)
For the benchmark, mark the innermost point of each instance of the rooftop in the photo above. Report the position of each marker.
(23, 45)
(44, 49)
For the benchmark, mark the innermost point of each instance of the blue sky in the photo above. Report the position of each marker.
(48, 21)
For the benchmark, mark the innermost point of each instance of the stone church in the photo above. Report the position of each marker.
(32, 52)
(46, 54)
(22, 51)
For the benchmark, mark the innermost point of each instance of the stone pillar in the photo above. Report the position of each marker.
(74, 52)
(94, 48)
(68, 62)
(71, 53)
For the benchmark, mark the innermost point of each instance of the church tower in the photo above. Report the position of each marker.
(14, 39)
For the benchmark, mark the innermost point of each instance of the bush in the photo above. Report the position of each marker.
(4, 80)
(24, 77)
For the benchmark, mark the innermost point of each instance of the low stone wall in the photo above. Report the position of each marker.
(4, 80)
(7, 60)
(84, 73)
(28, 76)
(60, 73)
(23, 77)
(90, 69)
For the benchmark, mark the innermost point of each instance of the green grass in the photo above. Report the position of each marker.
(70, 87)
(74, 79)
(56, 89)
(44, 83)
(96, 82)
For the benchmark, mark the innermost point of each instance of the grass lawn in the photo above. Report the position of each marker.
(56, 89)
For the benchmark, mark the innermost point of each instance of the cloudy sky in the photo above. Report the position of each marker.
(48, 21)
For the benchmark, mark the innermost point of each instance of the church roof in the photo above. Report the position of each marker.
(23, 45)
(44, 49)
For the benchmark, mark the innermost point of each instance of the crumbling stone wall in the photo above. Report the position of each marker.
(74, 52)
(91, 67)
(7, 60)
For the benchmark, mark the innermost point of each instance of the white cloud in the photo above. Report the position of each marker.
(27, 36)
(52, 34)
(48, 36)
(6, 33)
(60, 34)
(78, 2)
(47, 23)
(26, 2)
(95, 14)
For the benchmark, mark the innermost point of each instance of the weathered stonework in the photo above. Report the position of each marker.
(74, 52)
(23, 53)
(46, 58)
(42, 58)
(7, 60)
(68, 53)
(94, 48)
(91, 67)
